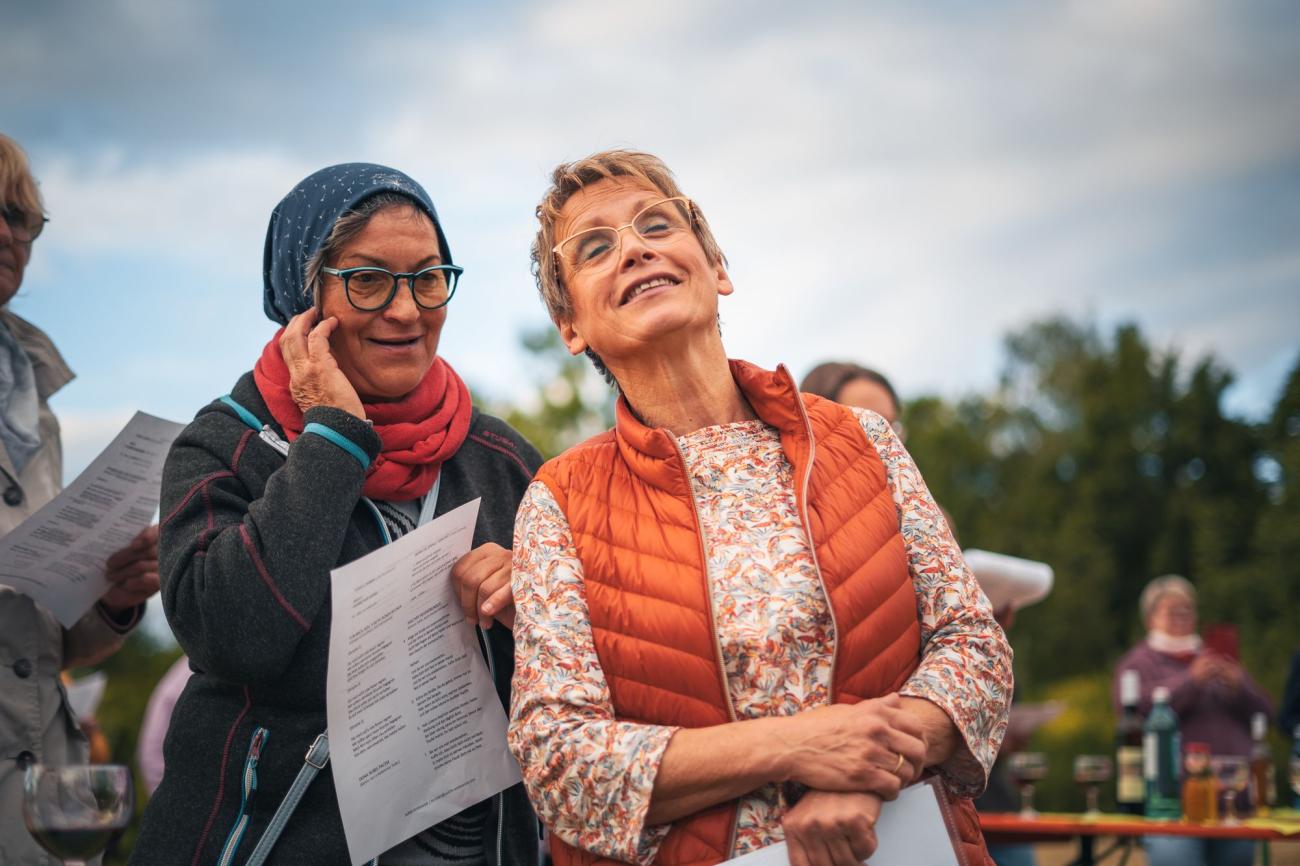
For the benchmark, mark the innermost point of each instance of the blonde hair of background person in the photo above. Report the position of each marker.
(1158, 588)
(18, 188)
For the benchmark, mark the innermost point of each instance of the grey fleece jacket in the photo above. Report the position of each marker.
(248, 540)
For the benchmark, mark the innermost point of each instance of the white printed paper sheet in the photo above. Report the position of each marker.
(57, 556)
(417, 733)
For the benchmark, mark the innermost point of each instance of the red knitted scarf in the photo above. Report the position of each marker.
(419, 432)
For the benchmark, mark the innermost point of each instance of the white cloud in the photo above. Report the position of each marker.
(212, 207)
(85, 433)
(890, 183)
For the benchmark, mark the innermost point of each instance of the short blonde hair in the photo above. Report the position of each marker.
(567, 180)
(18, 188)
(1159, 588)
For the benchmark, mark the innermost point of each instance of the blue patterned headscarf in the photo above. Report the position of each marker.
(305, 217)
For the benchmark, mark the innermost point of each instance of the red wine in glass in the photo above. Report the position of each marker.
(73, 811)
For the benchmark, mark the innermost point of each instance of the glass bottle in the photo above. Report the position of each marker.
(1161, 764)
(1130, 789)
(1263, 775)
(1200, 791)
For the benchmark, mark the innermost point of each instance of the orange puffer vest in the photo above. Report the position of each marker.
(630, 508)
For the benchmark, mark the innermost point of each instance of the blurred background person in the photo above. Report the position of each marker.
(1211, 692)
(36, 722)
(157, 718)
(854, 385)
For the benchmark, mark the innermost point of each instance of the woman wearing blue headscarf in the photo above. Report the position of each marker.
(348, 415)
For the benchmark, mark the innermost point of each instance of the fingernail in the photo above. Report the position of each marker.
(487, 608)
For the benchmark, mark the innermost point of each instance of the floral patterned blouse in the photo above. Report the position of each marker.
(590, 776)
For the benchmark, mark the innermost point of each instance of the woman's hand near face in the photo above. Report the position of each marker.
(314, 376)
(832, 828)
(482, 580)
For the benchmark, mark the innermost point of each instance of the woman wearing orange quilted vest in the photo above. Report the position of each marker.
(740, 617)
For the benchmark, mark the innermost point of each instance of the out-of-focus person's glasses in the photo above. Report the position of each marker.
(24, 225)
(596, 249)
(370, 289)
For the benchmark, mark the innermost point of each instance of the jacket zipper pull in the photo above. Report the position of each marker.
(270, 438)
(255, 748)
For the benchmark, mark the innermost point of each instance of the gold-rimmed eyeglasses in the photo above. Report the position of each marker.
(598, 248)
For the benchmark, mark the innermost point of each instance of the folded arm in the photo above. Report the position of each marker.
(961, 691)
(610, 786)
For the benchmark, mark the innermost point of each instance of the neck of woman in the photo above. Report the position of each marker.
(682, 391)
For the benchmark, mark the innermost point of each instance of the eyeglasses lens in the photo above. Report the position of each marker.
(24, 226)
(433, 288)
(369, 288)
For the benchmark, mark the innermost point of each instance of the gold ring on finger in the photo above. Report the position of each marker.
(899, 765)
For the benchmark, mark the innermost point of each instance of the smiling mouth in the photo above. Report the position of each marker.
(390, 343)
(640, 288)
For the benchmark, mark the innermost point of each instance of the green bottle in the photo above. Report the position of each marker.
(1162, 760)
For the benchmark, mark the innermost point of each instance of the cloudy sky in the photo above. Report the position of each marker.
(896, 183)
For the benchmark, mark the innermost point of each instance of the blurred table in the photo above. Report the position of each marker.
(1054, 827)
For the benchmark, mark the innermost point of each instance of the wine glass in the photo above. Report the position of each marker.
(1026, 768)
(73, 811)
(1091, 771)
(1233, 773)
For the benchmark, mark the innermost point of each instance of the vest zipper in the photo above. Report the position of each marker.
(249, 787)
(713, 619)
(802, 505)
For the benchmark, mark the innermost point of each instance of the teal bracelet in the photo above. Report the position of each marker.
(340, 440)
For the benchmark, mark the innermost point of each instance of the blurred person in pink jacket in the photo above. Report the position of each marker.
(157, 719)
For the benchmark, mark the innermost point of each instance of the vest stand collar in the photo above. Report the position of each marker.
(652, 452)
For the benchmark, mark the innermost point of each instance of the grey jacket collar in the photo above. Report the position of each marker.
(51, 371)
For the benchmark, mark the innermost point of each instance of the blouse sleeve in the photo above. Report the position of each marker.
(965, 659)
(589, 776)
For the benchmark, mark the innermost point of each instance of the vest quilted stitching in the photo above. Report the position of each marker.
(628, 501)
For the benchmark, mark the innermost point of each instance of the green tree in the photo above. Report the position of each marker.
(1101, 457)
(1115, 462)
(571, 402)
(1263, 592)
